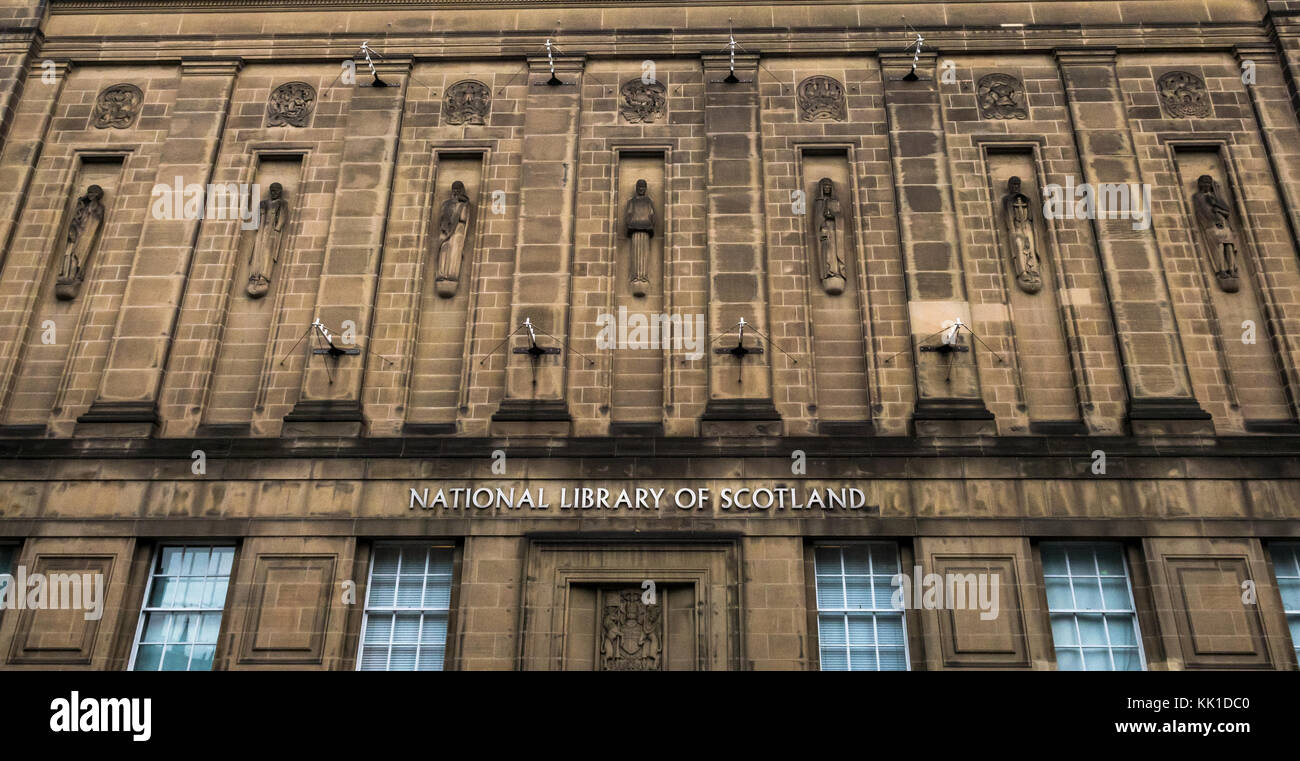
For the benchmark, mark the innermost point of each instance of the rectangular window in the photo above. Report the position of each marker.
(1286, 563)
(858, 626)
(408, 600)
(1090, 599)
(181, 617)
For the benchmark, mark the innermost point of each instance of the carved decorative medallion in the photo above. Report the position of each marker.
(1183, 94)
(643, 102)
(466, 102)
(290, 104)
(117, 107)
(822, 99)
(1001, 96)
(631, 633)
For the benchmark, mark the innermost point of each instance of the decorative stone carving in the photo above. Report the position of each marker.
(1182, 94)
(1018, 220)
(290, 104)
(631, 637)
(467, 102)
(117, 107)
(822, 99)
(272, 216)
(81, 241)
(1001, 96)
(639, 221)
(643, 102)
(1218, 239)
(826, 225)
(453, 224)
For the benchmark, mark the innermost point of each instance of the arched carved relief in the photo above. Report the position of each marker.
(1182, 94)
(822, 99)
(643, 102)
(117, 107)
(290, 105)
(467, 102)
(1001, 96)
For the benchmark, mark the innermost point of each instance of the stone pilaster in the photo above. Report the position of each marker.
(948, 397)
(330, 399)
(128, 390)
(25, 141)
(740, 387)
(535, 398)
(1155, 370)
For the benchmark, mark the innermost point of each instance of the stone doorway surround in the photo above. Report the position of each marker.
(578, 615)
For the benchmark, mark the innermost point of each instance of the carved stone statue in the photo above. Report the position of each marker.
(1219, 240)
(453, 223)
(272, 214)
(826, 224)
(639, 219)
(630, 637)
(82, 239)
(1018, 219)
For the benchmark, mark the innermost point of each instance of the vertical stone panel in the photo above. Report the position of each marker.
(128, 392)
(1160, 393)
(948, 391)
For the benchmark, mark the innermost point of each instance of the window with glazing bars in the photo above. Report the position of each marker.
(859, 628)
(408, 600)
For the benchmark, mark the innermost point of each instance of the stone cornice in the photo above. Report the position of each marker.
(96, 6)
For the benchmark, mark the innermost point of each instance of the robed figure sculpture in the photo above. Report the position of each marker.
(453, 224)
(83, 237)
(272, 216)
(639, 220)
(1018, 218)
(1214, 220)
(826, 223)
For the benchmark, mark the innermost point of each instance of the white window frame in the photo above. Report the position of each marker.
(845, 612)
(366, 610)
(1076, 612)
(148, 590)
(1287, 613)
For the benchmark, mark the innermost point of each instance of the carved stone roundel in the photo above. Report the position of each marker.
(467, 102)
(290, 104)
(822, 99)
(643, 102)
(117, 107)
(1001, 96)
(1182, 94)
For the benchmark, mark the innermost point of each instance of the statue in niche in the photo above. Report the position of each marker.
(453, 223)
(826, 219)
(272, 214)
(1219, 240)
(630, 638)
(639, 220)
(82, 239)
(1018, 219)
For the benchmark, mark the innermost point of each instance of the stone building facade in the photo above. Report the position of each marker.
(262, 319)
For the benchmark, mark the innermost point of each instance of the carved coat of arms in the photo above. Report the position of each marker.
(822, 99)
(1183, 94)
(631, 637)
(1001, 96)
(466, 102)
(117, 107)
(290, 104)
(643, 102)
